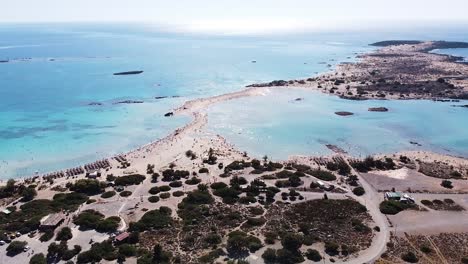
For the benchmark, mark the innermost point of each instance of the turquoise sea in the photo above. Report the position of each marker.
(55, 71)
(278, 125)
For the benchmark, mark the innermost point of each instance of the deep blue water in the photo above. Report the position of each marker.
(55, 71)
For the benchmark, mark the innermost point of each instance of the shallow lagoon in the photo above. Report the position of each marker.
(278, 126)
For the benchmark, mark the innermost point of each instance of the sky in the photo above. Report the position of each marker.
(241, 16)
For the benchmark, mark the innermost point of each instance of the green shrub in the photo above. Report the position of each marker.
(426, 249)
(125, 193)
(155, 219)
(427, 202)
(38, 259)
(247, 200)
(213, 239)
(108, 225)
(410, 257)
(313, 255)
(391, 207)
(164, 195)
(239, 243)
(108, 194)
(64, 234)
(331, 248)
(292, 242)
(127, 250)
(88, 186)
(128, 180)
(464, 260)
(164, 188)
(447, 184)
(154, 190)
(175, 184)
(218, 185)
(48, 235)
(228, 194)
(153, 199)
(178, 193)
(269, 256)
(359, 191)
(193, 181)
(88, 219)
(203, 170)
(322, 175)
(15, 247)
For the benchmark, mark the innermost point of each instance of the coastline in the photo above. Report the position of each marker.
(172, 151)
(326, 83)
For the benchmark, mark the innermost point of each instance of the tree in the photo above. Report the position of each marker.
(55, 251)
(269, 256)
(159, 255)
(38, 259)
(15, 247)
(410, 257)
(313, 255)
(28, 194)
(64, 234)
(292, 242)
(359, 191)
(447, 184)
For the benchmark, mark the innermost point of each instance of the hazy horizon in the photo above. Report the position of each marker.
(243, 17)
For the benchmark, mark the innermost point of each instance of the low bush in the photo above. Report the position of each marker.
(153, 199)
(178, 193)
(313, 255)
(426, 249)
(410, 257)
(218, 185)
(15, 247)
(322, 175)
(426, 202)
(155, 219)
(154, 190)
(193, 181)
(447, 184)
(203, 170)
(164, 195)
(392, 207)
(64, 234)
(48, 235)
(125, 193)
(108, 194)
(359, 191)
(164, 188)
(176, 184)
(127, 180)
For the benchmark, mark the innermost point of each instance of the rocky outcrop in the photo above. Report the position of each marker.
(270, 84)
(129, 102)
(378, 109)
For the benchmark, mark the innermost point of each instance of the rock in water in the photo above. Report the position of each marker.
(378, 109)
(128, 73)
(344, 113)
